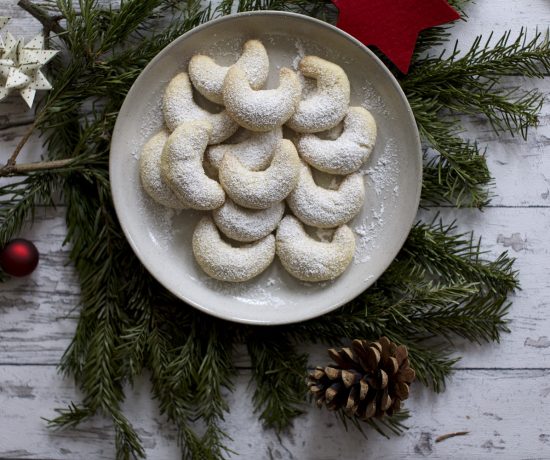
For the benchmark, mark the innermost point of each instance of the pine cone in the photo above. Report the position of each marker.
(370, 379)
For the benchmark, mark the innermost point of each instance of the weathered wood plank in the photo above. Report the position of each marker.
(35, 328)
(41, 302)
(491, 407)
(513, 160)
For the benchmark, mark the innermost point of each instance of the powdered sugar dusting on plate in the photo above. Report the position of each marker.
(382, 179)
(254, 292)
(151, 123)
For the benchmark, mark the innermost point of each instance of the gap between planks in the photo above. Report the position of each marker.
(248, 368)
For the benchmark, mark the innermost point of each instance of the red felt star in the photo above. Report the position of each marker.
(392, 25)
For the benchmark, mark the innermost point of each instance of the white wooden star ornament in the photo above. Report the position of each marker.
(3, 21)
(20, 65)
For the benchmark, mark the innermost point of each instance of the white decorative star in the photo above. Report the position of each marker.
(20, 67)
(3, 21)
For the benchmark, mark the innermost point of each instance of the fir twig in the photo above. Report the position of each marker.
(472, 83)
(25, 168)
(47, 21)
(278, 372)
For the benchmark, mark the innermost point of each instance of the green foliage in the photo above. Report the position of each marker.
(278, 372)
(441, 285)
(472, 83)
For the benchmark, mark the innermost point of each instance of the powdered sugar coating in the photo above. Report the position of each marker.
(208, 77)
(262, 110)
(224, 262)
(311, 260)
(348, 152)
(247, 225)
(179, 107)
(149, 170)
(261, 189)
(255, 152)
(182, 168)
(324, 208)
(326, 107)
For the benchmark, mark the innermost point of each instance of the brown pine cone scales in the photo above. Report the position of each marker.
(370, 379)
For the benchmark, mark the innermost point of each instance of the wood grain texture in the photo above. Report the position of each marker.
(493, 415)
(499, 393)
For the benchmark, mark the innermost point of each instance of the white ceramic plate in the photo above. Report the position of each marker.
(393, 174)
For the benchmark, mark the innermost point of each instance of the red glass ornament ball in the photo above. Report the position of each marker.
(19, 257)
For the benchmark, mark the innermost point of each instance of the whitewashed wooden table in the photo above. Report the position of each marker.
(500, 393)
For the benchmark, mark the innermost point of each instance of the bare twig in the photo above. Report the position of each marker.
(18, 169)
(20, 145)
(451, 435)
(49, 22)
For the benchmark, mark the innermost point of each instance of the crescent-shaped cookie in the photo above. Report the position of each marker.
(348, 152)
(208, 77)
(224, 262)
(179, 107)
(327, 106)
(182, 168)
(261, 110)
(311, 260)
(261, 189)
(247, 225)
(324, 208)
(254, 152)
(149, 171)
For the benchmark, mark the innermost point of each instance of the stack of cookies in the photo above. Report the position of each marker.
(260, 150)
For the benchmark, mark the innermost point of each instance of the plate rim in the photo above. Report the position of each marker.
(417, 148)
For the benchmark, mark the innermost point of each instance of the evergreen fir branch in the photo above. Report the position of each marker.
(426, 310)
(384, 426)
(451, 256)
(173, 385)
(432, 364)
(456, 171)
(214, 374)
(390, 425)
(278, 372)
(127, 442)
(69, 417)
(18, 201)
(472, 83)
